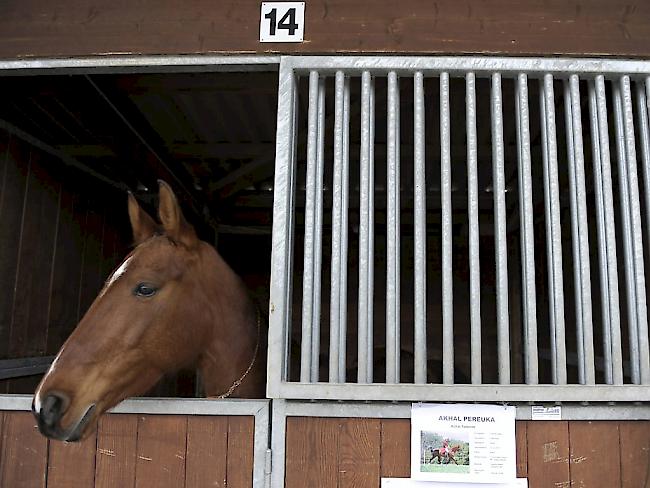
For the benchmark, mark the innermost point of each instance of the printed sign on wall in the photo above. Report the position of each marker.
(282, 22)
(463, 443)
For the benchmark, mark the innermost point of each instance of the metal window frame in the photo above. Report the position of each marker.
(544, 69)
(259, 409)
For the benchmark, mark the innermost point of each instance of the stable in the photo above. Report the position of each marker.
(419, 226)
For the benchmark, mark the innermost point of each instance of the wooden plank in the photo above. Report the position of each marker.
(312, 446)
(161, 451)
(38, 28)
(11, 212)
(24, 452)
(116, 451)
(548, 453)
(522, 448)
(29, 322)
(66, 278)
(591, 444)
(207, 449)
(91, 274)
(396, 448)
(635, 453)
(72, 464)
(359, 452)
(240, 451)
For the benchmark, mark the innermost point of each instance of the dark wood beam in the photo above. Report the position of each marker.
(38, 28)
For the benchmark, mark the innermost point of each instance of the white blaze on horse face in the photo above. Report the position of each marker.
(116, 275)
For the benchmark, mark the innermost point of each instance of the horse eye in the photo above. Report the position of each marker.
(145, 290)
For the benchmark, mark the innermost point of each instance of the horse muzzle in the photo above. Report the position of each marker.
(48, 413)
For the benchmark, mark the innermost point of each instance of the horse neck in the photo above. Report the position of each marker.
(234, 335)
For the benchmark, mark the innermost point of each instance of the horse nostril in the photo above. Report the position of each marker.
(51, 410)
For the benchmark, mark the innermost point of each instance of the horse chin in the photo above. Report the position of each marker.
(76, 432)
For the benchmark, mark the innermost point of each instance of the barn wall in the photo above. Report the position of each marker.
(61, 234)
(30, 28)
(130, 450)
(357, 452)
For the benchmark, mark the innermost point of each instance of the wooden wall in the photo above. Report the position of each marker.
(128, 450)
(30, 28)
(350, 452)
(61, 234)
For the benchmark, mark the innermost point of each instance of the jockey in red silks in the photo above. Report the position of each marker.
(444, 450)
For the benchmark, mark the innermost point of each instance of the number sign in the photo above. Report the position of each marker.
(282, 22)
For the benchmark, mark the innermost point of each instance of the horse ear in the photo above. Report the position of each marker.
(172, 219)
(142, 224)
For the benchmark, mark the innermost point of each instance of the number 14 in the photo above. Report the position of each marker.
(287, 22)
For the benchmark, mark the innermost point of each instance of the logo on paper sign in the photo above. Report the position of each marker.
(282, 22)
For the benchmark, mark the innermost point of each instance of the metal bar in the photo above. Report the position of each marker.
(580, 232)
(445, 196)
(310, 203)
(626, 226)
(643, 94)
(420, 224)
(458, 65)
(345, 196)
(501, 251)
(403, 410)
(365, 231)
(371, 240)
(392, 239)
(474, 231)
(553, 231)
(526, 230)
(337, 234)
(282, 234)
(637, 236)
(140, 64)
(318, 234)
(606, 233)
(467, 393)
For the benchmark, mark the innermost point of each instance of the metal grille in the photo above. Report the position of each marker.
(500, 171)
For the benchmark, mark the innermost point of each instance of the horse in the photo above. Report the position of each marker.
(449, 456)
(172, 303)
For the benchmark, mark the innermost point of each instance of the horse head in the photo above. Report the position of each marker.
(172, 303)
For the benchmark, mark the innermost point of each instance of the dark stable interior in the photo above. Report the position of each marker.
(71, 145)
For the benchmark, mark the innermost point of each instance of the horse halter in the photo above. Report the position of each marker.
(236, 384)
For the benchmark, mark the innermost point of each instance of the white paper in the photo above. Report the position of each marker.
(463, 443)
(409, 483)
(539, 412)
(282, 22)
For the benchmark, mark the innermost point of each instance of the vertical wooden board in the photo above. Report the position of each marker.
(312, 446)
(24, 452)
(72, 464)
(635, 453)
(591, 444)
(91, 277)
(396, 448)
(548, 453)
(116, 451)
(67, 271)
(207, 449)
(28, 335)
(11, 212)
(359, 453)
(239, 470)
(161, 451)
(522, 448)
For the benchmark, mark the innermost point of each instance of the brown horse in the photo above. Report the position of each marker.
(172, 303)
(449, 455)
